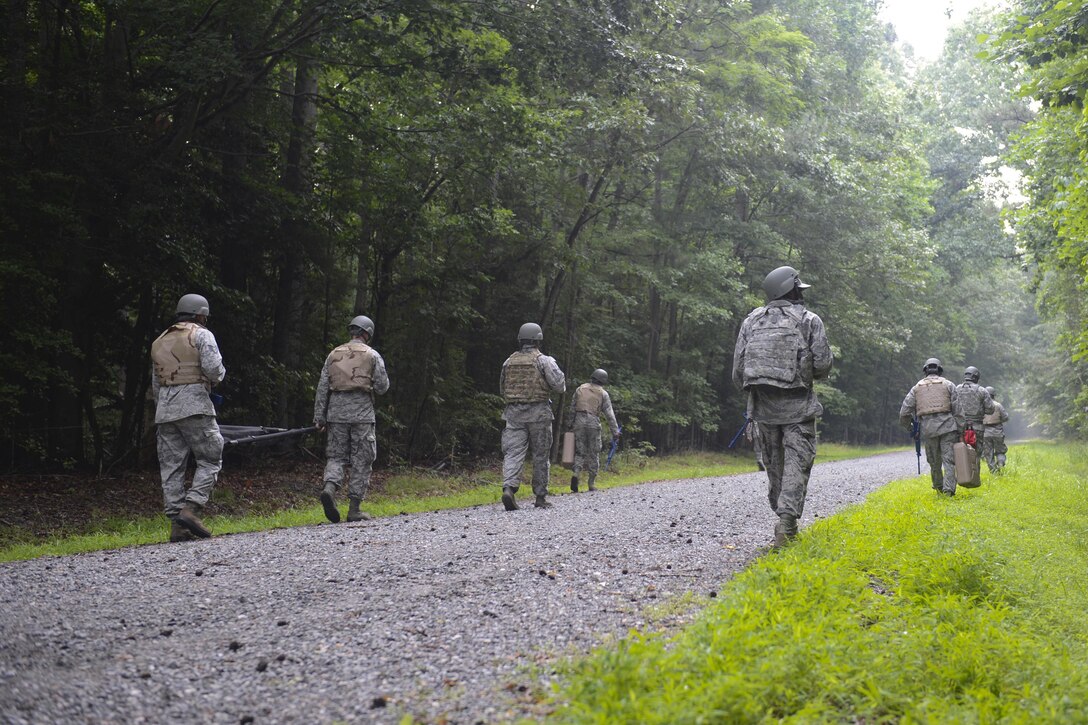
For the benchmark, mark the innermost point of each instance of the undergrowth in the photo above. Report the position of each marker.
(910, 607)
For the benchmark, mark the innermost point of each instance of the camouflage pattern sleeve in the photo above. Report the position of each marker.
(380, 378)
(738, 355)
(155, 383)
(211, 362)
(908, 409)
(822, 358)
(957, 409)
(609, 414)
(555, 378)
(1004, 413)
(987, 402)
(321, 398)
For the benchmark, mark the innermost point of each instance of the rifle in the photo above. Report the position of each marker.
(740, 432)
(916, 434)
(234, 435)
(612, 452)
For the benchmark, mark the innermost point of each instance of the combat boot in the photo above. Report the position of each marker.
(592, 482)
(188, 518)
(574, 483)
(354, 514)
(508, 499)
(785, 530)
(329, 503)
(541, 503)
(179, 533)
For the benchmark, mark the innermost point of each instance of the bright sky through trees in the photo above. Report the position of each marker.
(923, 24)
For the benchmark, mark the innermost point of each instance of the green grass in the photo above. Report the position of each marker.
(411, 492)
(908, 608)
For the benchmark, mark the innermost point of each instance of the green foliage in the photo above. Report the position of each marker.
(908, 607)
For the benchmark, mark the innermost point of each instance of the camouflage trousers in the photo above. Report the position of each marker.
(587, 450)
(788, 452)
(350, 444)
(197, 436)
(518, 439)
(994, 450)
(942, 461)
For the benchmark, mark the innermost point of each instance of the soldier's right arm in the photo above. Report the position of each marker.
(211, 362)
(553, 376)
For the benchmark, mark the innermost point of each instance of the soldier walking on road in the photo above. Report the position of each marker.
(976, 405)
(993, 438)
(781, 348)
(527, 381)
(185, 365)
(934, 401)
(589, 403)
(353, 373)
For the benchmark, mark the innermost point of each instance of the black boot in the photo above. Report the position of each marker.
(574, 483)
(354, 514)
(188, 518)
(329, 503)
(180, 533)
(508, 499)
(785, 530)
(541, 503)
(592, 482)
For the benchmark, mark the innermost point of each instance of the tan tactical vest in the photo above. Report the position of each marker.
(588, 398)
(176, 359)
(931, 395)
(523, 381)
(776, 353)
(351, 367)
(993, 418)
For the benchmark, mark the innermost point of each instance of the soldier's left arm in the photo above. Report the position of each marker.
(957, 409)
(908, 409)
(609, 414)
(380, 379)
(987, 402)
(822, 359)
(1004, 413)
(211, 362)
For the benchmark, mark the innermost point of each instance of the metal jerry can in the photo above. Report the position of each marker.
(568, 449)
(965, 457)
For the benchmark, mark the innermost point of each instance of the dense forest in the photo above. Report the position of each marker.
(624, 172)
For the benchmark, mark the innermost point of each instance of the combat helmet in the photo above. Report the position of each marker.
(933, 363)
(781, 281)
(364, 323)
(192, 304)
(971, 374)
(530, 332)
(599, 376)
(991, 391)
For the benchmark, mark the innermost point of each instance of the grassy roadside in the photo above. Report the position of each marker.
(410, 492)
(910, 607)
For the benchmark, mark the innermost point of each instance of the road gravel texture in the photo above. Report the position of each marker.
(456, 616)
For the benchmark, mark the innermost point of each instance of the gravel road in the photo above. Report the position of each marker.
(456, 616)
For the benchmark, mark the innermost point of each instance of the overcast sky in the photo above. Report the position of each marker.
(923, 23)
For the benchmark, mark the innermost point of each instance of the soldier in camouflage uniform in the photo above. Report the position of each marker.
(589, 403)
(976, 404)
(934, 401)
(993, 438)
(185, 365)
(344, 405)
(781, 348)
(527, 380)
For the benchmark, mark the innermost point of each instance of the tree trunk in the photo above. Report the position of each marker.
(285, 348)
